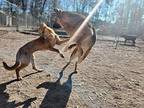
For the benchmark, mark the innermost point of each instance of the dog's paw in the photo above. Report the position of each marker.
(75, 72)
(19, 78)
(40, 70)
(62, 55)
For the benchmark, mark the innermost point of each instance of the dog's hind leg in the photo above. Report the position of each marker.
(84, 55)
(18, 70)
(75, 70)
(66, 66)
(33, 64)
(80, 53)
(73, 55)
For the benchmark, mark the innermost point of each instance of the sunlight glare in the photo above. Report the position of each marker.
(84, 23)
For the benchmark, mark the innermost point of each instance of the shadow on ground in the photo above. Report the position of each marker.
(58, 94)
(4, 97)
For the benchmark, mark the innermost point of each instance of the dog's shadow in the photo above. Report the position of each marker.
(26, 103)
(58, 94)
(4, 97)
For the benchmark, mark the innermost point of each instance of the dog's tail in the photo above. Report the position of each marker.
(69, 47)
(12, 67)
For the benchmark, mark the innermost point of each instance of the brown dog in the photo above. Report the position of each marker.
(25, 54)
(81, 43)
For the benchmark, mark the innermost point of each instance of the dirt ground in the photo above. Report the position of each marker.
(108, 78)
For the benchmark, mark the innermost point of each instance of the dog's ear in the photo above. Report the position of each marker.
(57, 10)
(42, 29)
(44, 24)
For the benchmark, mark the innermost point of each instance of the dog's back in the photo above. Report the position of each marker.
(129, 37)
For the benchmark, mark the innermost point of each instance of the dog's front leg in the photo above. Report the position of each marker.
(33, 64)
(61, 41)
(56, 50)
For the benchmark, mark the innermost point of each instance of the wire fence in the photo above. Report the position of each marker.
(13, 16)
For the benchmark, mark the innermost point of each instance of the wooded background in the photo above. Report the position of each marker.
(113, 16)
